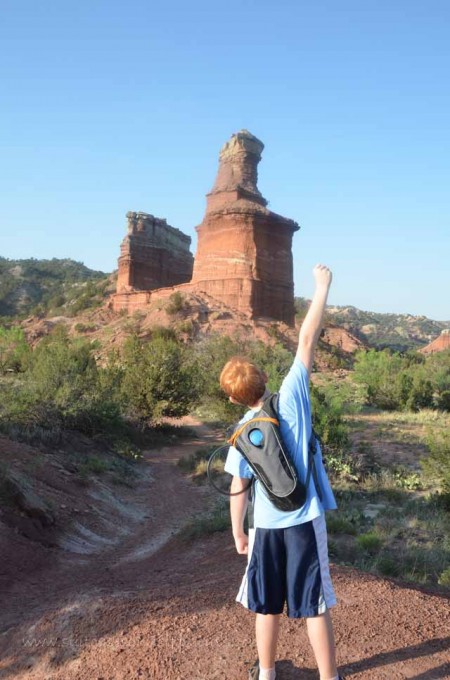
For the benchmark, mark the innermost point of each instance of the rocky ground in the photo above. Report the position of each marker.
(119, 591)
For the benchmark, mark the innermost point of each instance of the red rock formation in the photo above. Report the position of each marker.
(244, 253)
(341, 338)
(153, 255)
(440, 344)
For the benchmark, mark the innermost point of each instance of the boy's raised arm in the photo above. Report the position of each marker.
(312, 324)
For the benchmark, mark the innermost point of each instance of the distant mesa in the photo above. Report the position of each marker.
(439, 344)
(244, 252)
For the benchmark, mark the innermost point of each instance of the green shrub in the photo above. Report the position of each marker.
(405, 479)
(333, 434)
(14, 350)
(62, 388)
(186, 326)
(379, 372)
(436, 466)
(163, 332)
(85, 327)
(337, 524)
(369, 542)
(444, 578)
(176, 303)
(388, 566)
(159, 379)
(217, 520)
(404, 382)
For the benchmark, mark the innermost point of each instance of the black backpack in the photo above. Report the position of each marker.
(259, 441)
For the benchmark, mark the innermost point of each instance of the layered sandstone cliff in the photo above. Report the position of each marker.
(244, 252)
(153, 255)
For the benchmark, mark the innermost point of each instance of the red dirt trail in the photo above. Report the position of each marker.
(143, 602)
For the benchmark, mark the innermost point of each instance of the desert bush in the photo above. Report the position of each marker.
(186, 327)
(439, 369)
(176, 303)
(444, 578)
(388, 565)
(275, 361)
(62, 388)
(85, 327)
(333, 434)
(369, 542)
(93, 464)
(163, 332)
(338, 524)
(378, 372)
(410, 382)
(436, 467)
(14, 350)
(159, 379)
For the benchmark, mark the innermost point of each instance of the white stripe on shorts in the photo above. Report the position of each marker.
(328, 598)
(242, 596)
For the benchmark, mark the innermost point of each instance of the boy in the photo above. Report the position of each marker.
(287, 551)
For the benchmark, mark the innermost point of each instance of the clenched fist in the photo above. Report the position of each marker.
(322, 275)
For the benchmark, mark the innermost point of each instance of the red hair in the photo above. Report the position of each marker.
(243, 381)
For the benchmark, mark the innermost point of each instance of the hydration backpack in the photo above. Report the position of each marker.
(259, 441)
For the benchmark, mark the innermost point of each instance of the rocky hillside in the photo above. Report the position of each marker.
(48, 286)
(399, 332)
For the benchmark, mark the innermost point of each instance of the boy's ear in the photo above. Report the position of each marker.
(265, 376)
(235, 401)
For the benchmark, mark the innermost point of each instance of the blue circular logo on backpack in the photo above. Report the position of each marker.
(256, 437)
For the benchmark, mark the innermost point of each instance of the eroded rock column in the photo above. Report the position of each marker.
(153, 255)
(244, 253)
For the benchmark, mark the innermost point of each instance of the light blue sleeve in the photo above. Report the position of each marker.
(236, 464)
(294, 392)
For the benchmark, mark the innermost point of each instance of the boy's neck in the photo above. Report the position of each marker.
(259, 404)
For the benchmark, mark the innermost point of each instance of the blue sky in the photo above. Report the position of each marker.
(113, 106)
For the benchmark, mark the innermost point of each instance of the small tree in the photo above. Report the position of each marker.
(159, 379)
(14, 350)
(379, 372)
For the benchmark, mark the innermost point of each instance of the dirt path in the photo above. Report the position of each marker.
(131, 603)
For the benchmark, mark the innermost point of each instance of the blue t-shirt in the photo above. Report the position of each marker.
(294, 413)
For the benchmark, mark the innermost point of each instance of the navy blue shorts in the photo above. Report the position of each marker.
(288, 566)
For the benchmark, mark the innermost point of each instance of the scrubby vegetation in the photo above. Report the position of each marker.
(407, 382)
(398, 332)
(158, 378)
(56, 287)
(393, 516)
(59, 387)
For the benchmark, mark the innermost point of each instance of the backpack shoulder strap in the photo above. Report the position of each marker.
(312, 449)
(270, 405)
